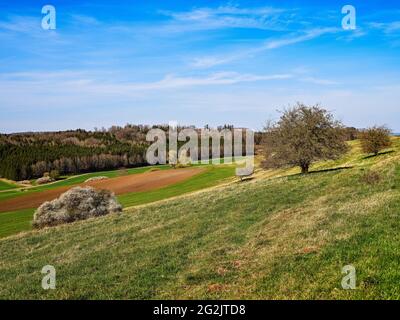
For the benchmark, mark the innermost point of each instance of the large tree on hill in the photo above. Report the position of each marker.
(302, 136)
(375, 139)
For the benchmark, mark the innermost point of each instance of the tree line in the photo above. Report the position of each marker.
(31, 154)
(302, 136)
(31, 161)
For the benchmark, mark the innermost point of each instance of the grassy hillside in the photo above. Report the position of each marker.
(212, 176)
(4, 185)
(17, 221)
(269, 238)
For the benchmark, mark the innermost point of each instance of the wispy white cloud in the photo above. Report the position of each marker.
(212, 61)
(202, 13)
(269, 44)
(265, 18)
(390, 30)
(42, 75)
(84, 20)
(386, 27)
(83, 81)
(221, 78)
(80, 87)
(20, 24)
(306, 36)
(351, 35)
(319, 81)
(32, 24)
(17, 30)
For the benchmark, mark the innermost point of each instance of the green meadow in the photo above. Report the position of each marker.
(17, 221)
(4, 185)
(281, 235)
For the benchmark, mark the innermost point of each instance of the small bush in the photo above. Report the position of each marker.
(76, 204)
(371, 178)
(123, 172)
(24, 182)
(96, 178)
(181, 165)
(44, 180)
(54, 174)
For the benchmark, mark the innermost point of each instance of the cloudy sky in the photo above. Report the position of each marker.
(195, 62)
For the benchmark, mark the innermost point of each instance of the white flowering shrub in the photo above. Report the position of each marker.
(44, 180)
(76, 204)
(26, 182)
(96, 178)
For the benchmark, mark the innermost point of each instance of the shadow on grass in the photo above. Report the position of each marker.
(377, 155)
(331, 169)
(320, 171)
(246, 179)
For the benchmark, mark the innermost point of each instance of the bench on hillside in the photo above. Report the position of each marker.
(245, 175)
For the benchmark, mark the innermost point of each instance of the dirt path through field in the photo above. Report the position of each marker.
(131, 183)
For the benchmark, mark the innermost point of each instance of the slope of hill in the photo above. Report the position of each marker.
(12, 222)
(282, 235)
(6, 185)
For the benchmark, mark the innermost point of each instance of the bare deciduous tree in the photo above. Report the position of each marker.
(302, 136)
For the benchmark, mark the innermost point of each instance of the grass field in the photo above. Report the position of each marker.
(4, 185)
(211, 177)
(74, 180)
(17, 221)
(270, 238)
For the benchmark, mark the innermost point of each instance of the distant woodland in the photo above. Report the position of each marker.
(30, 155)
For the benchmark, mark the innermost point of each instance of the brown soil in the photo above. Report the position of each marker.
(131, 183)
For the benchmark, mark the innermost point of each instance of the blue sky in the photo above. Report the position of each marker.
(196, 62)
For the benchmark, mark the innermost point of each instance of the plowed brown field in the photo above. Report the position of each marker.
(131, 183)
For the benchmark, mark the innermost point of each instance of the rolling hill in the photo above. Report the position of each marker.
(281, 235)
